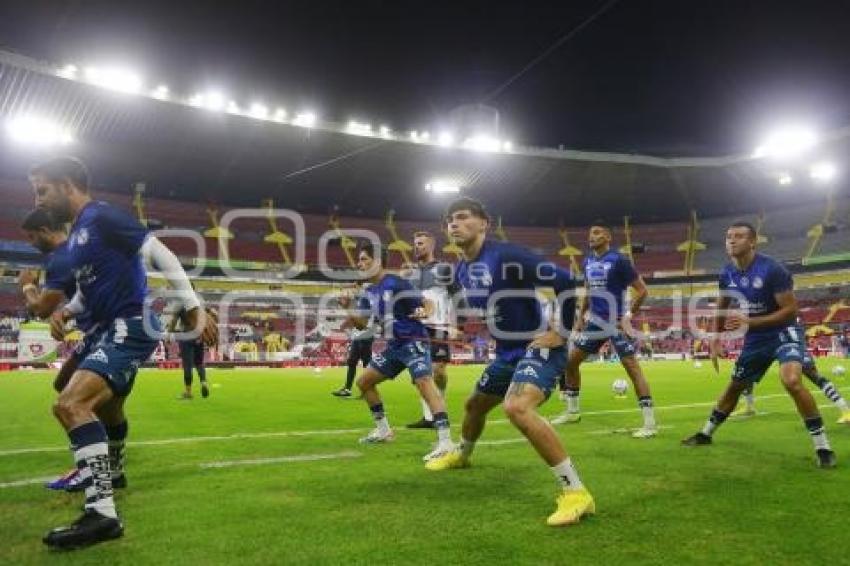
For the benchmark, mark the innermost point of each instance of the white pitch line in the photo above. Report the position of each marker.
(281, 459)
(31, 481)
(332, 432)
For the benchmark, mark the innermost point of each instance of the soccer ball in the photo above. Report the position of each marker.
(697, 365)
(838, 371)
(619, 387)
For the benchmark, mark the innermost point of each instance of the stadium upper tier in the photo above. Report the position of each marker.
(786, 233)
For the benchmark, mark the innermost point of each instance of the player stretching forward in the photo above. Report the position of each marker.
(433, 279)
(502, 278)
(767, 292)
(607, 276)
(103, 256)
(397, 307)
(810, 370)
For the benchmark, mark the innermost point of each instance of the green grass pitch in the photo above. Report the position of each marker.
(755, 497)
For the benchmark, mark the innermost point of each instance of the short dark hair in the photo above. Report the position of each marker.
(747, 225)
(41, 219)
(466, 203)
(602, 224)
(64, 169)
(423, 234)
(373, 250)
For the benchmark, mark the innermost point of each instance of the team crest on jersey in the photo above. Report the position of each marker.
(82, 237)
(479, 275)
(745, 282)
(758, 282)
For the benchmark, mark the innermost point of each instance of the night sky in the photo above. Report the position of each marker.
(686, 77)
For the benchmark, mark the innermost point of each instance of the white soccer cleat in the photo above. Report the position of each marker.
(645, 432)
(438, 452)
(566, 418)
(378, 436)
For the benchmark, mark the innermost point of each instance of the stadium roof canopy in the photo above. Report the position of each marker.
(191, 153)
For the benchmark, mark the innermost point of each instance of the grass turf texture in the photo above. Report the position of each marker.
(755, 497)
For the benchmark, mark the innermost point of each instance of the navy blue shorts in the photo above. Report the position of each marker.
(84, 346)
(119, 352)
(593, 337)
(414, 355)
(541, 368)
(758, 354)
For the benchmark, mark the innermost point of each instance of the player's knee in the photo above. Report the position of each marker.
(792, 382)
(64, 409)
(516, 410)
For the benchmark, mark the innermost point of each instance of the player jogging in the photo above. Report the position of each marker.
(768, 311)
(502, 279)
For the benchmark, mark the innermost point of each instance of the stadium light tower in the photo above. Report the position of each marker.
(823, 172)
(442, 186)
(37, 131)
(160, 92)
(305, 119)
(259, 111)
(787, 142)
(114, 78)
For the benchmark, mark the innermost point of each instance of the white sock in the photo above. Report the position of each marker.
(750, 400)
(648, 417)
(466, 447)
(572, 401)
(842, 404)
(383, 425)
(567, 475)
(426, 411)
(444, 436)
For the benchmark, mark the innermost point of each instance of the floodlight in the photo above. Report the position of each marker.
(787, 142)
(482, 143)
(785, 179)
(823, 171)
(160, 92)
(68, 72)
(280, 114)
(359, 128)
(37, 131)
(446, 139)
(305, 119)
(443, 186)
(259, 111)
(507, 146)
(233, 108)
(214, 101)
(114, 78)
(386, 132)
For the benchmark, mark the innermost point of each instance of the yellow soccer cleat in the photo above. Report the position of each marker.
(448, 461)
(845, 418)
(744, 410)
(573, 504)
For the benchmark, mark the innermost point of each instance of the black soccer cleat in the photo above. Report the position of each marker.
(699, 439)
(91, 528)
(826, 458)
(341, 392)
(205, 390)
(422, 423)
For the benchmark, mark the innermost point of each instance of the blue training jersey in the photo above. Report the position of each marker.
(101, 257)
(608, 275)
(398, 294)
(52, 268)
(758, 284)
(502, 267)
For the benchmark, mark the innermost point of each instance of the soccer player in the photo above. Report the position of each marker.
(192, 353)
(392, 302)
(608, 274)
(768, 309)
(501, 279)
(104, 256)
(810, 370)
(359, 351)
(433, 278)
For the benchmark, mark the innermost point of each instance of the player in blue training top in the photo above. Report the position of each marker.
(49, 237)
(393, 306)
(502, 280)
(608, 274)
(104, 258)
(810, 371)
(767, 310)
